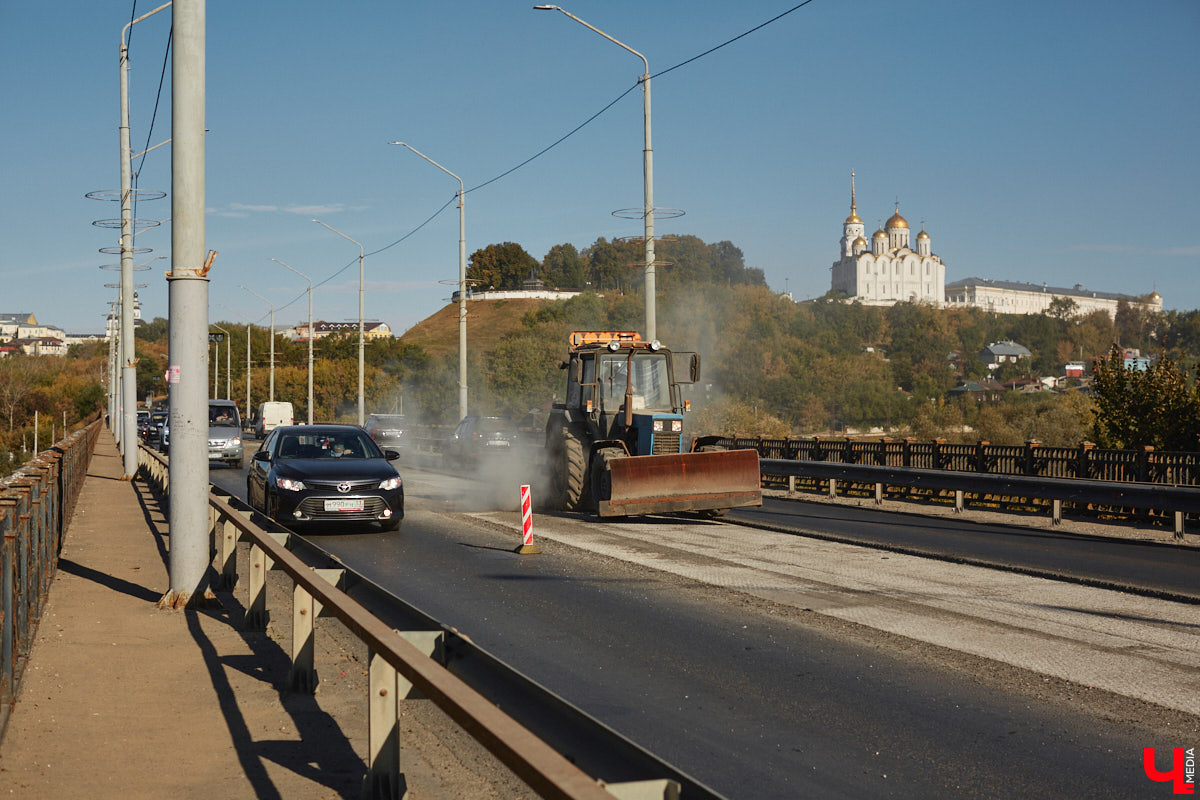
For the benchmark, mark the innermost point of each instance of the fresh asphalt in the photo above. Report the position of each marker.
(1147, 567)
(752, 704)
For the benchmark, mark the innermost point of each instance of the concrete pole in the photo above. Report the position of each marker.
(462, 281)
(462, 302)
(271, 395)
(647, 169)
(310, 333)
(249, 409)
(648, 197)
(128, 358)
(272, 380)
(188, 313)
(361, 324)
(310, 355)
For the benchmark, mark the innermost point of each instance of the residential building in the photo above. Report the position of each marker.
(1004, 352)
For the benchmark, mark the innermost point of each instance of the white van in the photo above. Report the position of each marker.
(271, 415)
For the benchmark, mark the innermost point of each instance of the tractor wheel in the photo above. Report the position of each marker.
(601, 482)
(577, 494)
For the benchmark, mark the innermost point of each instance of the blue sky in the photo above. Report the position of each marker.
(1039, 142)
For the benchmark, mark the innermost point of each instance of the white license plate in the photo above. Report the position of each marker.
(497, 443)
(344, 505)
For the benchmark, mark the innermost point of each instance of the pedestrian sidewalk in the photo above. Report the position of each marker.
(123, 700)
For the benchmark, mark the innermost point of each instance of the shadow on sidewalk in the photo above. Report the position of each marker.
(323, 753)
(104, 579)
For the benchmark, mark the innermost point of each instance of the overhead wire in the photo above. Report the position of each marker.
(507, 172)
(567, 135)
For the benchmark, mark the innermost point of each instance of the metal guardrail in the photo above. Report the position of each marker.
(1180, 500)
(1085, 462)
(409, 652)
(36, 503)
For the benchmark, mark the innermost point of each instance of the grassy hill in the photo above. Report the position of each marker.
(487, 322)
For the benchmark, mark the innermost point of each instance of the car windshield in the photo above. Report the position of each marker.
(222, 415)
(649, 385)
(494, 425)
(387, 421)
(348, 444)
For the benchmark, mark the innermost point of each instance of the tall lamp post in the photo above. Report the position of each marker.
(128, 357)
(361, 416)
(248, 408)
(310, 335)
(647, 169)
(228, 374)
(268, 302)
(462, 281)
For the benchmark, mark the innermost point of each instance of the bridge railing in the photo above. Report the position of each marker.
(965, 486)
(36, 503)
(411, 659)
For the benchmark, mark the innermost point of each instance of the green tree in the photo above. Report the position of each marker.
(563, 267)
(501, 266)
(1159, 406)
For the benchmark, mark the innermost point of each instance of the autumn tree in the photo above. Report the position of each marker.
(1158, 406)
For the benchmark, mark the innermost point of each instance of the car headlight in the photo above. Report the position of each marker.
(390, 483)
(658, 425)
(235, 441)
(676, 426)
(287, 484)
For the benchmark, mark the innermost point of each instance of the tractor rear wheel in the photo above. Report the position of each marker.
(577, 496)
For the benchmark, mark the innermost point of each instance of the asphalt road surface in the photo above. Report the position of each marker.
(756, 699)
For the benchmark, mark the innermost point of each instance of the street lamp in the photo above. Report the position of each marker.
(228, 374)
(128, 356)
(361, 417)
(268, 302)
(249, 411)
(647, 170)
(462, 282)
(310, 335)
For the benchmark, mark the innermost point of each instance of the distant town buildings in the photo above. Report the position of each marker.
(1008, 297)
(890, 269)
(321, 329)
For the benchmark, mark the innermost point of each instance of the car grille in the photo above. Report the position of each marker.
(332, 485)
(314, 507)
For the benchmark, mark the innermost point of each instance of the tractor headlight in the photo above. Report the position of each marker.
(676, 426)
(656, 345)
(658, 426)
(614, 345)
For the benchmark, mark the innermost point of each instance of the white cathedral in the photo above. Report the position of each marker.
(887, 270)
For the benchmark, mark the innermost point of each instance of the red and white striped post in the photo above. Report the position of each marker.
(527, 545)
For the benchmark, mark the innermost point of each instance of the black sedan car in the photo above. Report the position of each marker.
(320, 474)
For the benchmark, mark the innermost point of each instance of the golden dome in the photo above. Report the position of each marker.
(897, 221)
(879, 234)
(860, 240)
(853, 219)
(922, 234)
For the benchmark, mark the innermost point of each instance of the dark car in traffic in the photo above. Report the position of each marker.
(154, 428)
(325, 475)
(478, 438)
(388, 430)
